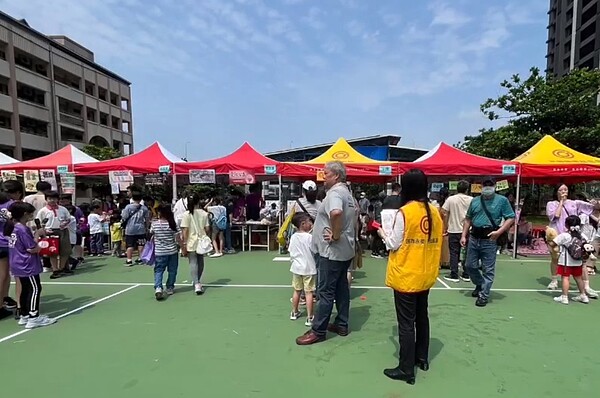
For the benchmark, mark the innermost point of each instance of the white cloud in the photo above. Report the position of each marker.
(443, 14)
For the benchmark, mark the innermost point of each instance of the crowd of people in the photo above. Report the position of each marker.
(407, 227)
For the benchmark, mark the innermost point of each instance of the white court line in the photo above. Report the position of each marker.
(447, 286)
(251, 286)
(73, 311)
(282, 259)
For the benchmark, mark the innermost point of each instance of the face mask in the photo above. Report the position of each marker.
(488, 191)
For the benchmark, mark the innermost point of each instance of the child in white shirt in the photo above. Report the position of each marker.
(304, 269)
(95, 220)
(568, 265)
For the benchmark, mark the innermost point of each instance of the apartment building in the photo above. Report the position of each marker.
(52, 93)
(573, 40)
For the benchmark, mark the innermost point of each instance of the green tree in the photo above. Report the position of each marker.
(566, 108)
(101, 152)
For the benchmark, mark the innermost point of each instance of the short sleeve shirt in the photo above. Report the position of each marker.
(499, 208)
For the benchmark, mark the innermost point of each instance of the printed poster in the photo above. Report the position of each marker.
(50, 177)
(437, 186)
(202, 176)
(123, 178)
(453, 185)
(155, 179)
(475, 188)
(9, 175)
(31, 178)
(502, 185)
(320, 175)
(67, 182)
(241, 177)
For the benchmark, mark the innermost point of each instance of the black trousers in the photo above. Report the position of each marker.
(31, 291)
(413, 328)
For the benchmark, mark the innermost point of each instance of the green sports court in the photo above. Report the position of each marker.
(114, 340)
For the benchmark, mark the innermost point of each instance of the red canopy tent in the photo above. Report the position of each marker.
(245, 158)
(68, 156)
(445, 160)
(144, 162)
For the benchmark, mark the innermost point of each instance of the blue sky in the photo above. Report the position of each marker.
(290, 73)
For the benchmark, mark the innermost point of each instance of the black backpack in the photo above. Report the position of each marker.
(575, 248)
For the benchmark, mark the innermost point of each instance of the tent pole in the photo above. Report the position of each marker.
(517, 214)
(174, 188)
(280, 200)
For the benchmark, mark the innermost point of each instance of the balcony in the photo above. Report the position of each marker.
(70, 119)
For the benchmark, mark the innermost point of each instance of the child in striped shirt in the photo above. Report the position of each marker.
(167, 236)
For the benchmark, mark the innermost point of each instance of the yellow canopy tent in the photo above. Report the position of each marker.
(550, 159)
(343, 152)
(357, 165)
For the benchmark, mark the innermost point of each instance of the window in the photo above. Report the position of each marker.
(125, 104)
(90, 88)
(103, 119)
(125, 127)
(31, 94)
(114, 99)
(33, 126)
(115, 122)
(3, 85)
(587, 49)
(117, 145)
(5, 120)
(30, 62)
(102, 94)
(3, 51)
(67, 78)
(589, 14)
(588, 32)
(92, 115)
(68, 134)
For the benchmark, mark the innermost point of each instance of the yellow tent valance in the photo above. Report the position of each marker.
(550, 151)
(343, 152)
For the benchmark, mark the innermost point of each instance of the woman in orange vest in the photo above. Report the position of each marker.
(415, 243)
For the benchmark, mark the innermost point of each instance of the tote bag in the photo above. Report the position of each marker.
(204, 244)
(148, 255)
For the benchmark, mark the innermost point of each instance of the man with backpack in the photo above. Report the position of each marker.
(135, 219)
(218, 214)
(481, 231)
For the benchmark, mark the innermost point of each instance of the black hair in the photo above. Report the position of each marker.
(66, 196)
(71, 209)
(193, 201)
(396, 187)
(12, 186)
(43, 186)
(115, 217)
(217, 200)
(17, 211)
(414, 188)
(95, 206)
(299, 218)
(165, 212)
(3, 198)
(136, 196)
(462, 186)
(573, 221)
(555, 193)
(311, 196)
(52, 194)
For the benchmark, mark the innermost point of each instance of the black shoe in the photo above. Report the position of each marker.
(452, 278)
(465, 278)
(4, 313)
(476, 292)
(67, 272)
(9, 303)
(397, 374)
(423, 365)
(481, 302)
(55, 275)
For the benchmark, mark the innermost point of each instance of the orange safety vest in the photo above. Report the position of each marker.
(414, 267)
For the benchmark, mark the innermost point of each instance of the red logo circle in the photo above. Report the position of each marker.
(340, 155)
(425, 225)
(563, 153)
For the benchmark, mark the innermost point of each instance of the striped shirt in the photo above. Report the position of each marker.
(165, 243)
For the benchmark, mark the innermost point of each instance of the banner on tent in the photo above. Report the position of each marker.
(270, 169)
(207, 176)
(49, 176)
(67, 182)
(385, 170)
(31, 178)
(509, 169)
(155, 179)
(122, 178)
(242, 177)
(321, 175)
(437, 186)
(61, 169)
(9, 175)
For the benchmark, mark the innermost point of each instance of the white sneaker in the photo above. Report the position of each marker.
(23, 320)
(309, 321)
(198, 289)
(295, 315)
(553, 285)
(562, 299)
(39, 322)
(582, 298)
(158, 293)
(591, 293)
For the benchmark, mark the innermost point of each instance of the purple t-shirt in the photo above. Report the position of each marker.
(22, 263)
(570, 208)
(3, 219)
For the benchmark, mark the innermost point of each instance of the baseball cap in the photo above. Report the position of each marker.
(309, 185)
(488, 181)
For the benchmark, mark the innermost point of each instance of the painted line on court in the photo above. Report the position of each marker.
(447, 286)
(282, 259)
(83, 307)
(266, 286)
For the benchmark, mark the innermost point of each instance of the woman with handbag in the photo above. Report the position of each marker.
(195, 227)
